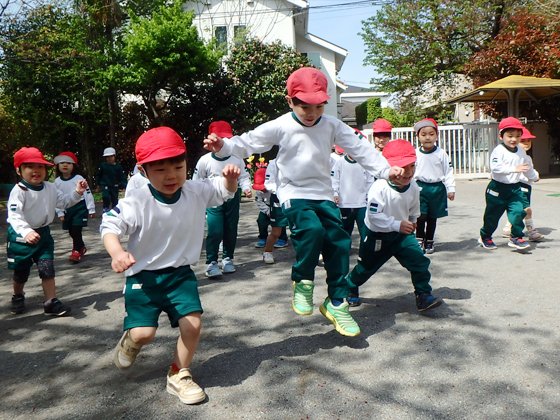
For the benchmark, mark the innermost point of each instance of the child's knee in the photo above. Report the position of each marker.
(190, 324)
(142, 335)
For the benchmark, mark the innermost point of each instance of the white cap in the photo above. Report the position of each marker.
(109, 151)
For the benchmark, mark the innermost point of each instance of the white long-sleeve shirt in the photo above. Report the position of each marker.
(30, 208)
(67, 186)
(503, 162)
(137, 180)
(263, 201)
(304, 156)
(164, 233)
(211, 166)
(434, 166)
(350, 183)
(389, 206)
(271, 177)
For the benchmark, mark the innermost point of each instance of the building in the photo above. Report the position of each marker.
(270, 21)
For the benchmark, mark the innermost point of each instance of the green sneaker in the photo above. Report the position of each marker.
(302, 302)
(340, 317)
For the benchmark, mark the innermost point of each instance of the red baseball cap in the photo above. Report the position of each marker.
(308, 85)
(426, 122)
(382, 126)
(29, 155)
(399, 153)
(221, 129)
(258, 179)
(66, 157)
(339, 150)
(526, 134)
(510, 122)
(158, 144)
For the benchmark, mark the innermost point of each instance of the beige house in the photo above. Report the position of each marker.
(272, 20)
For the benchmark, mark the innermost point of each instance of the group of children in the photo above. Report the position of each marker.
(297, 188)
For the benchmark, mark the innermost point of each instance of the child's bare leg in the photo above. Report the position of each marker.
(272, 238)
(142, 335)
(18, 287)
(187, 343)
(49, 288)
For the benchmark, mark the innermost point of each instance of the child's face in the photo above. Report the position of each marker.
(65, 168)
(407, 176)
(381, 139)
(33, 173)
(306, 113)
(110, 159)
(526, 144)
(428, 137)
(166, 177)
(511, 137)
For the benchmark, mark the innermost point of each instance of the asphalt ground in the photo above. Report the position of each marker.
(491, 351)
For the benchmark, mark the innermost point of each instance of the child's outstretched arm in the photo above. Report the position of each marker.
(213, 143)
(230, 174)
(395, 173)
(120, 259)
(81, 186)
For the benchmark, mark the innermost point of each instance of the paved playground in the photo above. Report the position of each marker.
(490, 352)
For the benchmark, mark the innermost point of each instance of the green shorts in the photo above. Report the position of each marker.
(149, 293)
(277, 218)
(433, 199)
(76, 215)
(526, 191)
(22, 255)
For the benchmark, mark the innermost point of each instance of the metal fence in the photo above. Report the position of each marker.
(468, 145)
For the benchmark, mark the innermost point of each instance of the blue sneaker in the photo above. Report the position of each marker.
(227, 265)
(281, 243)
(427, 301)
(261, 243)
(487, 243)
(213, 270)
(519, 243)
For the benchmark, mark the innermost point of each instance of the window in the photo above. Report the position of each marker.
(314, 58)
(220, 33)
(239, 33)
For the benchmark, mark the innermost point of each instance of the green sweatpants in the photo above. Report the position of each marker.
(222, 223)
(499, 198)
(351, 216)
(377, 248)
(317, 228)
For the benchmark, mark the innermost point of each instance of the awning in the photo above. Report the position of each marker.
(512, 89)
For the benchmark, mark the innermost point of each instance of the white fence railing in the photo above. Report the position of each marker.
(468, 145)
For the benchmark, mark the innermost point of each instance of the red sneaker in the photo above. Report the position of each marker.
(75, 257)
(83, 251)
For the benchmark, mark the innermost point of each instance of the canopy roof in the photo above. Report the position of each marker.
(512, 89)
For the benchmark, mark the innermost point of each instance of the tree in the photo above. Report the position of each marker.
(163, 53)
(413, 42)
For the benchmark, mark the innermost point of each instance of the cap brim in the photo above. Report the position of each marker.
(402, 162)
(312, 98)
(63, 159)
(258, 187)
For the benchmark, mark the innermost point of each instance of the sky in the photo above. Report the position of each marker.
(340, 23)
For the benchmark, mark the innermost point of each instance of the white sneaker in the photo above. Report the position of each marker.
(213, 270)
(506, 231)
(227, 265)
(181, 384)
(268, 257)
(534, 235)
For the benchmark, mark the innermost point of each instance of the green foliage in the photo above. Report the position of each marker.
(369, 111)
(419, 41)
(259, 72)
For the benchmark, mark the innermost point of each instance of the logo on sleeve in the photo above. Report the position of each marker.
(374, 207)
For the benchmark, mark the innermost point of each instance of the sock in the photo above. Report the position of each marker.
(529, 223)
(336, 302)
(175, 368)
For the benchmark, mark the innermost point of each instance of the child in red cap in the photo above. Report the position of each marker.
(76, 217)
(31, 209)
(434, 176)
(306, 138)
(393, 208)
(525, 184)
(381, 133)
(162, 246)
(508, 162)
(222, 220)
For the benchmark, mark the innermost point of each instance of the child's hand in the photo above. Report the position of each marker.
(81, 187)
(522, 168)
(406, 227)
(62, 218)
(32, 237)
(92, 215)
(395, 173)
(123, 261)
(336, 200)
(230, 171)
(248, 193)
(451, 196)
(213, 143)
